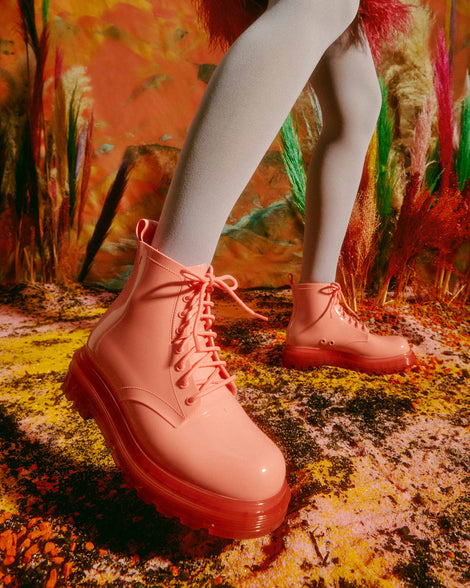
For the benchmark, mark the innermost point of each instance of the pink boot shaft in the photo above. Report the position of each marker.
(151, 377)
(321, 332)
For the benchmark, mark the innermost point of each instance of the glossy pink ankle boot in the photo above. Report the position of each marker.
(321, 332)
(151, 377)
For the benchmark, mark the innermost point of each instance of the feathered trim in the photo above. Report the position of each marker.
(225, 21)
(381, 20)
(378, 20)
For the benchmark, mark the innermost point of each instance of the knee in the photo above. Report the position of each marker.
(366, 107)
(362, 111)
(353, 112)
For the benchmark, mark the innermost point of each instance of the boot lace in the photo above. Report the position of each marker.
(195, 338)
(336, 303)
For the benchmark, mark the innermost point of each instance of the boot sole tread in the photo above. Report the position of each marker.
(304, 358)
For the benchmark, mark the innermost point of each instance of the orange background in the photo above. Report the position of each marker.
(148, 64)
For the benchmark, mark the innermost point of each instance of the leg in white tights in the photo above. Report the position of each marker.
(247, 100)
(345, 82)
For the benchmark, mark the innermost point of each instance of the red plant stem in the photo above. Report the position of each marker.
(443, 88)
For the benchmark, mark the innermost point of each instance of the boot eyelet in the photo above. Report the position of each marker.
(181, 314)
(332, 342)
(323, 341)
(185, 298)
(183, 383)
(178, 367)
(190, 401)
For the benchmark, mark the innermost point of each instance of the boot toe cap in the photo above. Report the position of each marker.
(396, 345)
(221, 451)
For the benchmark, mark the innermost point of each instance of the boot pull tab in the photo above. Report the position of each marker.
(145, 230)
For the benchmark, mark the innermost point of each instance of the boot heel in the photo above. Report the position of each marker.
(74, 392)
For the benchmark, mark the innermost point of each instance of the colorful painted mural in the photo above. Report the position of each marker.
(95, 103)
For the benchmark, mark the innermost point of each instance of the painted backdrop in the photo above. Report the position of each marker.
(108, 85)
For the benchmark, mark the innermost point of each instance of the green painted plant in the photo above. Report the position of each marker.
(463, 156)
(386, 159)
(293, 161)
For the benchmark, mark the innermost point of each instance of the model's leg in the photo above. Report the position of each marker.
(244, 106)
(347, 88)
(320, 331)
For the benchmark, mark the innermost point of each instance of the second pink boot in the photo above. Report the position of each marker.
(151, 377)
(321, 332)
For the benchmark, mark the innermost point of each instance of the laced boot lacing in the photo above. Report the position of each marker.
(336, 302)
(195, 328)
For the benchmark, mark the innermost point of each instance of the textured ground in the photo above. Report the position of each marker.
(379, 466)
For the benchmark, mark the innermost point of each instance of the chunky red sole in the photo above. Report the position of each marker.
(172, 496)
(304, 358)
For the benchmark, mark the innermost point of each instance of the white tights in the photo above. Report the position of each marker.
(247, 99)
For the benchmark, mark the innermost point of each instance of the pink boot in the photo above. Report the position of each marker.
(151, 377)
(320, 332)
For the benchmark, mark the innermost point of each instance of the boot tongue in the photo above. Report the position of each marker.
(200, 270)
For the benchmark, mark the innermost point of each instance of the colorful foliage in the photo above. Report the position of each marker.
(44, 178)
(463, 156)
(292, 158)
(386, 162)
(434, 216)
(360, 243)
(419, 151)
(443, 89)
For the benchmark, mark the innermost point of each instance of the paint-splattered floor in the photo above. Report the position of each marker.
(379, 466)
